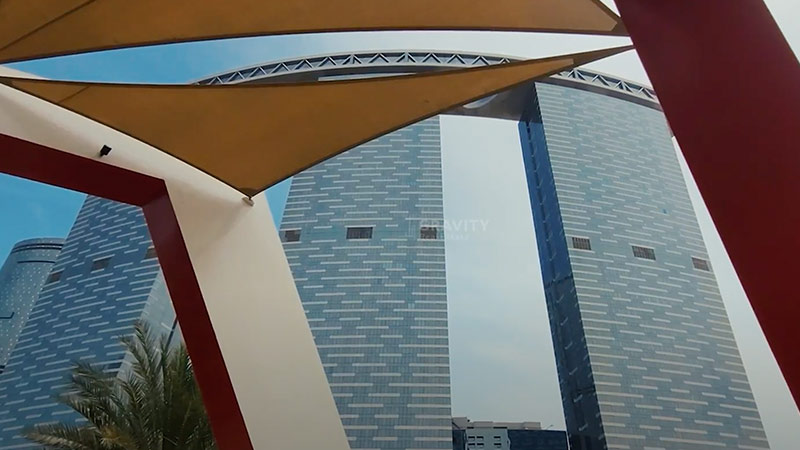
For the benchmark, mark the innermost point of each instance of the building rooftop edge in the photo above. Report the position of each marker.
(465, 422)
(39, 241)
(356, 61)
(347, 53)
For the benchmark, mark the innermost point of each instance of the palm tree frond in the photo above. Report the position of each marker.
(67, 437)
(155, 404)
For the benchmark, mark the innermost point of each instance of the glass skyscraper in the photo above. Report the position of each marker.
(105, 279)
(364, 236)
(23, 274)
(362, 233)
(645, 353)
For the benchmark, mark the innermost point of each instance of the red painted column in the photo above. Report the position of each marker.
(222, 406)
(730, 88)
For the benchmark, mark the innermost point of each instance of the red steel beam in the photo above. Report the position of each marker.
(730, 87)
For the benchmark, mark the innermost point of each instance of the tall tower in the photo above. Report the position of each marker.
(25, 271)
(645, 353)
(105, 279)
(644, 349)
(364, 238)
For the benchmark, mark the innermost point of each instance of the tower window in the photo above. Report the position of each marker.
(291, 235)
(54, 276)
(644, 252)
(100, 264)
(359, 232)
(428, 233)
(701, 264)
(150, 253)
(581, 243)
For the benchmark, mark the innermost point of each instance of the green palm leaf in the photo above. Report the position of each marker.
(154, 404)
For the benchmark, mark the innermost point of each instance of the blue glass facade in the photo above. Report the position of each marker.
(107, 281)
(644, 349)
(25, 271)
(537, 440)
(362, 233)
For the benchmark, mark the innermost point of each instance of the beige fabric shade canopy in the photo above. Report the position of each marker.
(253, 136)
(32, 29)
